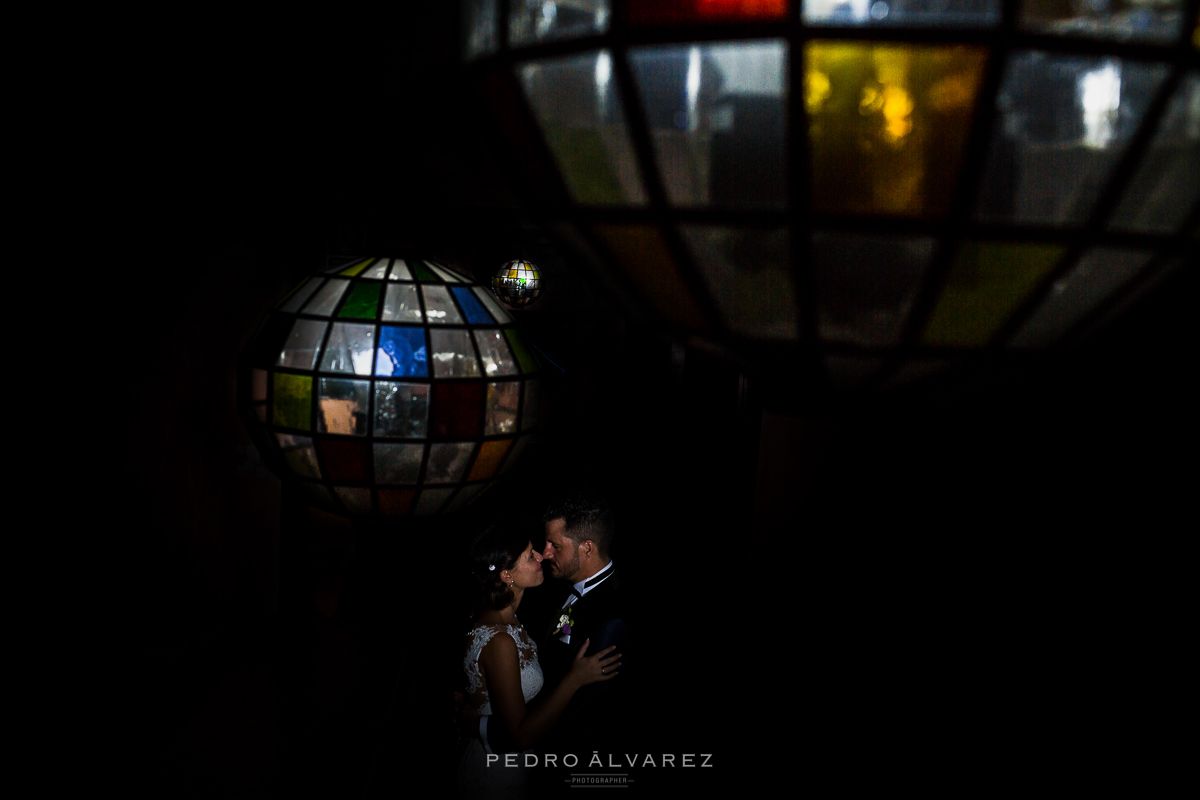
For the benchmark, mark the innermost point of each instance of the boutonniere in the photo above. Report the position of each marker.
(565, 622)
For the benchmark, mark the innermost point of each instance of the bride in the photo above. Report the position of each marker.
(502, 668)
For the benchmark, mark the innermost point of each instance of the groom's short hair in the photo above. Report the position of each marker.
(586, 516)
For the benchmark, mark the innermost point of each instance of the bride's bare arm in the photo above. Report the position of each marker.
(503, 672)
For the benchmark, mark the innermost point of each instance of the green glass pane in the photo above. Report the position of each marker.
(293, 401)
(987, 281)
(362, 302)
(889, 124)
(524, 357)
(422, 272)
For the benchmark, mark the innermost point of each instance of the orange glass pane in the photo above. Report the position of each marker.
(491, 454)
(666, 12)
(889, 124)
(647, 264)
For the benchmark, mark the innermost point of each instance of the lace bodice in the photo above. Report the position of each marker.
(531, 670)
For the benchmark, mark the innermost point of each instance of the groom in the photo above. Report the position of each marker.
(579, 535)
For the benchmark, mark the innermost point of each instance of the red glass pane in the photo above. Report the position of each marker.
(395, 502)
(345, 461)
(456, 410)
(666, 12)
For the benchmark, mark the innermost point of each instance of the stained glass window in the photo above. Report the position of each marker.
(363, 410)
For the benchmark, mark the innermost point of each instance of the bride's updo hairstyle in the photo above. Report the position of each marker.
(492, 552)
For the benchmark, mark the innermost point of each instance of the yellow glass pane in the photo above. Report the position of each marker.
(354, 269)
(888, 124)
(491, 454)
(647, 264)
(512, 273)
(986, 283)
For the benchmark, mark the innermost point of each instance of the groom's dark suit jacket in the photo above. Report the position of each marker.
(592, 718)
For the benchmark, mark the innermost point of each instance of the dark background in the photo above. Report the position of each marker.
(966, 574)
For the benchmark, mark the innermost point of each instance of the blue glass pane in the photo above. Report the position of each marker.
(401, 352)
(476, 315)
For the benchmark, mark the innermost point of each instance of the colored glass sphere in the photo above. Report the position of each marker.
(390, 387)
(517, 284)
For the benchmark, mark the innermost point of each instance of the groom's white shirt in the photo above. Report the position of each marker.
(578, 590)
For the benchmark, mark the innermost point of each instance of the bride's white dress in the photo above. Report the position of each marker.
(475, 778)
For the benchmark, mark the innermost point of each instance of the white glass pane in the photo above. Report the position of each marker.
(327, 298)
(400, 271)
(1062, 125)
(398, 464)
(1136, 20)
(351, 348)
(300, 350)
(1095, 277)
(401, 409)
(531, 21)
(293, 303)
(444, 274)
(480, 27)
(448, 462)
(439, 308)
(922, 13)
(400, 303)
(493, 349)
(1167, 182)
(578, 108)
(378, 270)
(717, 118)
(453, 355)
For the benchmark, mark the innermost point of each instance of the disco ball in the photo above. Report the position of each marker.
(894, 187)
(517, 284)
(389, 387)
